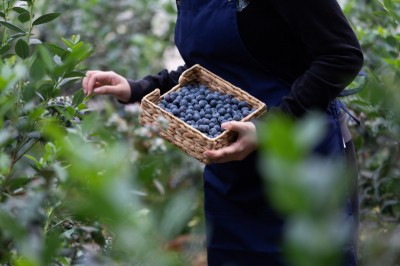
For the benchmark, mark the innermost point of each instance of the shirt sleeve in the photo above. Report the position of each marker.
(164, 80)
(336, 55)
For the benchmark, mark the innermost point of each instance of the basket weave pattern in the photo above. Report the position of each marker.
(184, 136)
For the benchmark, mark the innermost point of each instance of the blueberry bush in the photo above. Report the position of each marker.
(81, 183)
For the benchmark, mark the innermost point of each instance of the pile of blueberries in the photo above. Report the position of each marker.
(204, 109)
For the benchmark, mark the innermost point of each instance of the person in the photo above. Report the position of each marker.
(297, 57)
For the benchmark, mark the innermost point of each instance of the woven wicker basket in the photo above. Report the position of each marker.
(184, 136)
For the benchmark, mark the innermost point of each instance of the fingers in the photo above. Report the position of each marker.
(234, 152)
(85, 81)
(95, 79)
(240, 127)
(104, 90)
(241, 148)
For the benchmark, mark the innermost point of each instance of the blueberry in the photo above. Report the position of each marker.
(221, 119)
(167, 98)
(209, 97)
(196, 117)
(245, 109)
(222, 111)
(175, 111)
(237, 117)
(190, 111)
(197, 107)
(184, 102)
(174, 95)
(202, 103)
(183, 108)
(200, 97)
(242, 104)
(188, 117)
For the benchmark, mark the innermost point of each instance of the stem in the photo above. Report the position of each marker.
(30, 22)
(20, 156)
(16, 158)
(5, 19)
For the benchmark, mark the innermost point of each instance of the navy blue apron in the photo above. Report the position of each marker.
(242, 229)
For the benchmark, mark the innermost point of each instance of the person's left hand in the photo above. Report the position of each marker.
(245, 144)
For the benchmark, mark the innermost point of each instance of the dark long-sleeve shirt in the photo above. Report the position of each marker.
(308, 43)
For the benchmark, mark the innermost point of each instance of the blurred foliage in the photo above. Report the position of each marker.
(81, 183)
(307, 189)
(377, 138)
(80, 186)
(130, 37)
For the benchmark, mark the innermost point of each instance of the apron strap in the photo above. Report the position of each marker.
(342, 106)
(362, 75)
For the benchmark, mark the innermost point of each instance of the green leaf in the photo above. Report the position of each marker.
(15, 36)
(388, 4)
(46, 18)
(78, 98)
(70, 112)
(75, 74)
(18, 182)
(47, 59)
(11, 26)
(22, 49)
(4, 49)
(24, 17)
(63, 82)
(20, 10)
(28, 92)
(47, 91)
(2, 14)
(31, 158)
(37, 71)
(55, 48)
(36, 113)
(67, 42)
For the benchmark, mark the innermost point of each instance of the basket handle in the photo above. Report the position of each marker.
(153, 96)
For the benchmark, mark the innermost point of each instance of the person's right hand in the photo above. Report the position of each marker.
(106, 82)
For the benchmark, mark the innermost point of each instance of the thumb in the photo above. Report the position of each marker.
(233, 126)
